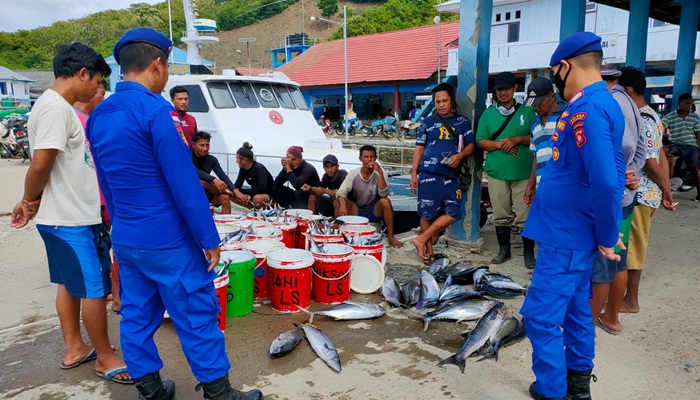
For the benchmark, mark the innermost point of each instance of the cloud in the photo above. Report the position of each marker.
(18, 15)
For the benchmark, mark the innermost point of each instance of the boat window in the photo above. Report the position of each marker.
(197, 101)
(244, 95)
(298, 99)
(265, 95)
(283, 96)
(220, 95)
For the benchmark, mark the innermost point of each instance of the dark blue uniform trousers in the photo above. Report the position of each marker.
(176, 279)
(558, 317)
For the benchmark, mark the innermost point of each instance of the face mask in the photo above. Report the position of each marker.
(505, 111)
(561, 83)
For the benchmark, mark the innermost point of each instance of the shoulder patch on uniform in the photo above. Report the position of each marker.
(564, 114)
(561, 124)
(579, 116)
(580, 138)
(555, 154)
(178, 126)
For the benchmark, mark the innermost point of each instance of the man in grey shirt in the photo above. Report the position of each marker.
(364, 192)
(610, 277)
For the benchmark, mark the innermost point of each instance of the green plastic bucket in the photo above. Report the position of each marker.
(241, 266)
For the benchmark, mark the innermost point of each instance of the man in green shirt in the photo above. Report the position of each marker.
(504, 132)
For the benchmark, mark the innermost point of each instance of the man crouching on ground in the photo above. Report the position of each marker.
(368, 188)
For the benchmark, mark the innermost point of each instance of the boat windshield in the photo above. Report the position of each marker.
(245, 95)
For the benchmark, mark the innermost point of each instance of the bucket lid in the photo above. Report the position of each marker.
(353, 219)
(298, 211)
(355, 229)
(367, 274)
(263, 247)
(236, 256)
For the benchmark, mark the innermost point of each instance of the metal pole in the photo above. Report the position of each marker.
(303, 20)
(250, 70)
(170, 23)
(345, 48)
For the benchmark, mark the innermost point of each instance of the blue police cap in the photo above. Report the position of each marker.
(574, 45)
(143, 35)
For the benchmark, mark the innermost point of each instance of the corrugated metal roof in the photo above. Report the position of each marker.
(7, 74)
(405, 55)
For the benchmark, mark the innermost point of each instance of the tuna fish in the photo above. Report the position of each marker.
(451, 292)
(478, 336)
(507, 327)
(462, 273)
(350, 310)
(498, 285)
(429, 290)
(469, 310)
(285, 342)
(438, 266)
(392, 292)
(322, 346)
(411, 293)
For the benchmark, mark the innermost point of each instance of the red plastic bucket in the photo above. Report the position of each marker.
(221, 285)
(290, 279)
(358, 230)
(261, 249)
(331, 281)
(228, 218)
(336, 238)
(302, 225)
(375, 250)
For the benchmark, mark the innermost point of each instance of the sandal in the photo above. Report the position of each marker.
(111, 374)
(600, 324)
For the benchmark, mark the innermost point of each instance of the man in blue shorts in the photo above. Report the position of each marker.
(444, 140)
(162, 227)
(62, 178)
(364, 192)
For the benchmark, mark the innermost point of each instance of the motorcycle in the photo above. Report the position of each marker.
(340, 128)
(14, 142)
(409, 130)
(326, 125)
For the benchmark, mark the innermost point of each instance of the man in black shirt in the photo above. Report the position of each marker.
(255, 175)
(298, 173)
(219, 189)
(323, 197)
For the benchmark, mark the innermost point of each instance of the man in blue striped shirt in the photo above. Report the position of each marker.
(541, 97)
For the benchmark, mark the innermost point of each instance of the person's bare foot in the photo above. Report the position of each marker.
(110, 362)
(628, 308)
(395, 243)
(615, 326)
(420, 248)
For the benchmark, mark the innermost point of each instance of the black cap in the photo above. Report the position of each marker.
(330, 159)
(537, 91)
(504, 80)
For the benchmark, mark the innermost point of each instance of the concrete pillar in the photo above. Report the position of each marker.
(397, 100)
(573, 17)
(685, 58)
(472, 87)
(637, 33)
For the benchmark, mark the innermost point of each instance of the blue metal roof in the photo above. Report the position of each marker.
(179, 57)
(7, 74)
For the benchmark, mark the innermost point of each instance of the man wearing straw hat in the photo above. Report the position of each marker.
(161, 224)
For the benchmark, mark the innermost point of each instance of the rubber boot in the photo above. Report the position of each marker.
(151, 387)
(537, 396)
(529, 253)
(503, 236)
(221, 389)
(579, 384)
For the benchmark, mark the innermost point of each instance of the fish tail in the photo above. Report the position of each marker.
(426, 322)
(454, 360)
(311, 314)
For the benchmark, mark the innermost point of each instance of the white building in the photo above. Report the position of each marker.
(14, 89)
(524, 34)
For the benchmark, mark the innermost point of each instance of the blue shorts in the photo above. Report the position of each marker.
(604, 270)
(438, 195)
(79, 259)
(368, 212)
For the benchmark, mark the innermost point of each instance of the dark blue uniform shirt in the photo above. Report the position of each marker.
(578, 202)
(145, 171)
(441, 143)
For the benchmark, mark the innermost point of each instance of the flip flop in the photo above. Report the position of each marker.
(92, 355)
(110, 376)
(600, 324)
(429, 260)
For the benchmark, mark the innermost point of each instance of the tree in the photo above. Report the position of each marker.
(328, 7)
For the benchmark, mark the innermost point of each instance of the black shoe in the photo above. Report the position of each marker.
(221, 389)
(503, 236)
(529, 253)
(579, 384)
(537, 396)
(151, 387)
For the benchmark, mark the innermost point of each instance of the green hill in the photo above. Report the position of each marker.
(269, 20)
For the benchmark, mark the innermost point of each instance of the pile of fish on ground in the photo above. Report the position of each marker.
(455, 302)
(285, 342)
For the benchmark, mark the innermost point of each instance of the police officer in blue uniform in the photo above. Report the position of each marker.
(576, 212)
(161, 224)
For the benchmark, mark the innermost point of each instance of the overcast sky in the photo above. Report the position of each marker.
(29, 14)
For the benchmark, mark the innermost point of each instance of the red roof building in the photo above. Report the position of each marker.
(385, 70)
